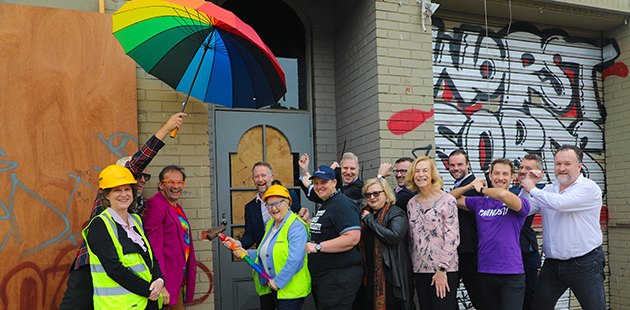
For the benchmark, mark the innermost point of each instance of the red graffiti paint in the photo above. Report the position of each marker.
(618, 69)
(447, 94)
(208, 273)
(407, 120)
(572, 113)
(469, 110)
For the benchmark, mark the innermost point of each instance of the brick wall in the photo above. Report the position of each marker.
(323, 92)
(617, 96)
(405, 78)
(356, 90)
(190, 150)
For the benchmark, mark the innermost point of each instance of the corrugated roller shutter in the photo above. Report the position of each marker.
(509, 90)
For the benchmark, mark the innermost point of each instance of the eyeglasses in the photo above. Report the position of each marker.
(146, 176)
(276, 205)
(401, 171)
(375, 194)
(171, 182)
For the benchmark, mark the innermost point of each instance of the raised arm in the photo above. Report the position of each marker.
(511, 201)
(175, 121)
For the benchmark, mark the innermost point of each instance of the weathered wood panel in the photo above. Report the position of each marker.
(67, 109)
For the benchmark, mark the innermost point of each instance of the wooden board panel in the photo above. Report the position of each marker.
(239, 200)
(279, 156)
(68, 110)
(249, 152)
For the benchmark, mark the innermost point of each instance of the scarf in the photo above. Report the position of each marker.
(379, 272)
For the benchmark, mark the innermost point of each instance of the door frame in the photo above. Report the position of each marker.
(297, 128)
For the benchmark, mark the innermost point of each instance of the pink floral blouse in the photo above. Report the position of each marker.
(434, 231)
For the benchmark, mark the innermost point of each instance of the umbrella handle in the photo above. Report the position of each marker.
(174, 132)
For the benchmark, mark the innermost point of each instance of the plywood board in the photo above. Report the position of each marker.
(68, 109)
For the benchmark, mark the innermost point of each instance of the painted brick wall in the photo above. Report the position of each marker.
(318, 17)
(405, 79)
(190, 150)
(617, 96)
(356, 90)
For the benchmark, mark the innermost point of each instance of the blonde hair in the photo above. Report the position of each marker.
(436, 179)
(389, 192)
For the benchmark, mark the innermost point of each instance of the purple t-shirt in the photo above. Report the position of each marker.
(498, 228)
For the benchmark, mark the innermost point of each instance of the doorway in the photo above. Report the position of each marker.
(242, 139)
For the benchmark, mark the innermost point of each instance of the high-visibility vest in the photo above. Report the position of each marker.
(108, 294)
(300, 285)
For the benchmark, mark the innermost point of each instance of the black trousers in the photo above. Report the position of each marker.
(427, 295)
(78, 295)
(336, 288)
(503, 291)
(531, 264)
(470, 276)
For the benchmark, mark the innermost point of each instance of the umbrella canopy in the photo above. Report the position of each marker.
(199, 48)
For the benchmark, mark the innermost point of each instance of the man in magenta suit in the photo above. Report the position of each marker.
(169, 232)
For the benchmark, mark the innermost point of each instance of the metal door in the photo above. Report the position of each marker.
(242, 139)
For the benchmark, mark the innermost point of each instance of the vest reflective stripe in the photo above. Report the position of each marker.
(110, 291)
(300, 285)
(107, 293)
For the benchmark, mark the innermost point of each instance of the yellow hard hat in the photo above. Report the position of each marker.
(277, 190)
(115, 175)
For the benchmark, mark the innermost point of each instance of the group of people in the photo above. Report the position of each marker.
(136, 253)
(368, 245)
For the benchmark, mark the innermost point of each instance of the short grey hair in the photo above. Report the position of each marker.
(123, 161)
(350, 155)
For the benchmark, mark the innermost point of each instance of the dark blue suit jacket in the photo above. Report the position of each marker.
(254, 226)
(528, 240)
(403, 197)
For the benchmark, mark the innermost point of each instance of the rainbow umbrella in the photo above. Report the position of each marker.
(200, 49)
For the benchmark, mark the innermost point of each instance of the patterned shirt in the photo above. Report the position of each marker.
(185, 228)
(138, 162)
(434, 232)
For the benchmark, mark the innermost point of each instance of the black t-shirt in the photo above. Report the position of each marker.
(337, 215)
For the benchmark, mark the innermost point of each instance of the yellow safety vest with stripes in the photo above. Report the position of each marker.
(108, 294)
(300, 284)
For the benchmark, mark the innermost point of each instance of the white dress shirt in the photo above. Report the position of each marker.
(263, 210)
(570, 218)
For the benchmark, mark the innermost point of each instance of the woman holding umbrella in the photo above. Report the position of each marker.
(434, 234)
(125, 273)
(387, 280)
(281, 253)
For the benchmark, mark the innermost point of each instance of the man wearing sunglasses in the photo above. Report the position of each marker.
(169, 233)
(78, 294)
(403, 194)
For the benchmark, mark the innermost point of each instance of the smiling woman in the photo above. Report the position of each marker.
(282, 254)
(434, 235)
(119, 248)
(384, 248)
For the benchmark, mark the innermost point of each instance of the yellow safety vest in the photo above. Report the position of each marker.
(108, 294)
(300, 284)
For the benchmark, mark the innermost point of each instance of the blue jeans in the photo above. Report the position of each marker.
(584, 275)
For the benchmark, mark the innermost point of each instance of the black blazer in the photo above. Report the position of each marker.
(254, 225)
(468, 238)
(527, 238)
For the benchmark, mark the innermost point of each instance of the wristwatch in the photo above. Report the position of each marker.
(380, 176)
(318, 247)
(443, 269)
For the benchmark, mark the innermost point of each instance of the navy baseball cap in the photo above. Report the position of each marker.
(324, 172)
